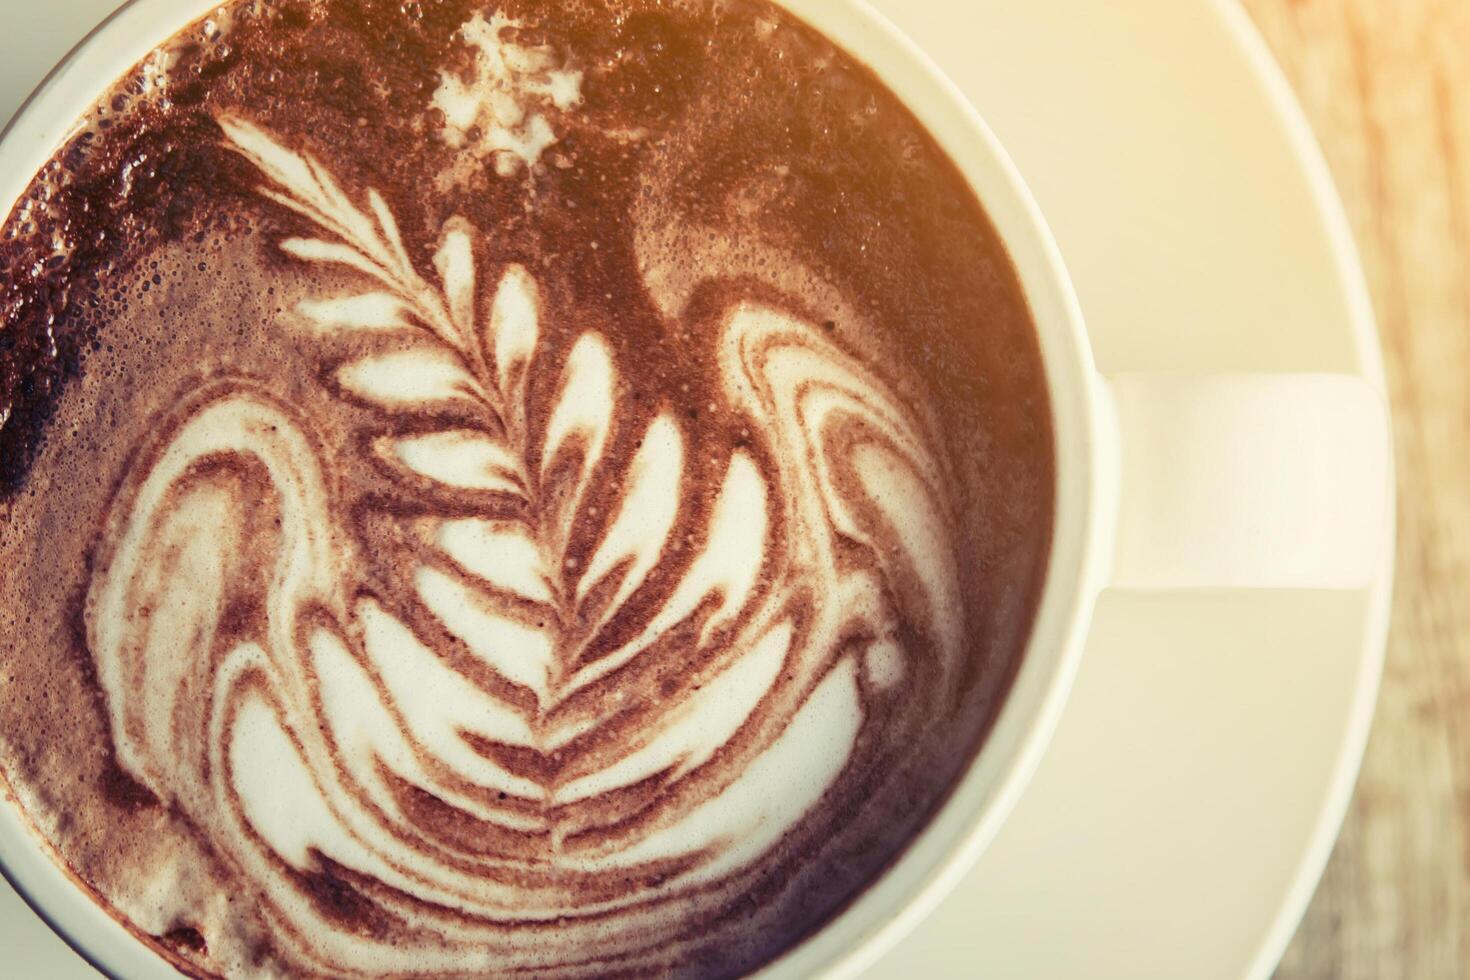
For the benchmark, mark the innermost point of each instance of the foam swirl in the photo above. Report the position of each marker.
(596, 695)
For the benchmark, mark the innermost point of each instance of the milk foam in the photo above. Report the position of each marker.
(292, 738)
(500, 112)
(532, 538)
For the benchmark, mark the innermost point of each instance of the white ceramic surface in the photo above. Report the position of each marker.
(1102, 872)
(1086, 452)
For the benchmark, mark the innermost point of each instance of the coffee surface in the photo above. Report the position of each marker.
(549, 487)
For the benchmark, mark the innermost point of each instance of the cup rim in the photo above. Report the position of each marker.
(934, 861)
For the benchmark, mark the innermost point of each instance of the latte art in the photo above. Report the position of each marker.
(553, 556)
(591, 692)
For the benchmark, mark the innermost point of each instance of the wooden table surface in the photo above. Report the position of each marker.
(1386, 84)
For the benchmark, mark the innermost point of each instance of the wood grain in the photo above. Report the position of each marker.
(1386, 84)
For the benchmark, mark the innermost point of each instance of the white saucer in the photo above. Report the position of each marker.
(1183, 815)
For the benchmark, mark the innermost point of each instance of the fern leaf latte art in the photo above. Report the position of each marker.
(552, 488)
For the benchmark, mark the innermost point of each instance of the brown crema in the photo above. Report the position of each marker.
(552, 487)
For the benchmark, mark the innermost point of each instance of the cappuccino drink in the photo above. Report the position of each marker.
(556, 488)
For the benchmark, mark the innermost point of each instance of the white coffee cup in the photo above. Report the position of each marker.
(1163, 482)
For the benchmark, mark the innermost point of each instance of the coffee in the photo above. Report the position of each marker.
(550, 488)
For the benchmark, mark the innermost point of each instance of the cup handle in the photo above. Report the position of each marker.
(1250, 481)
